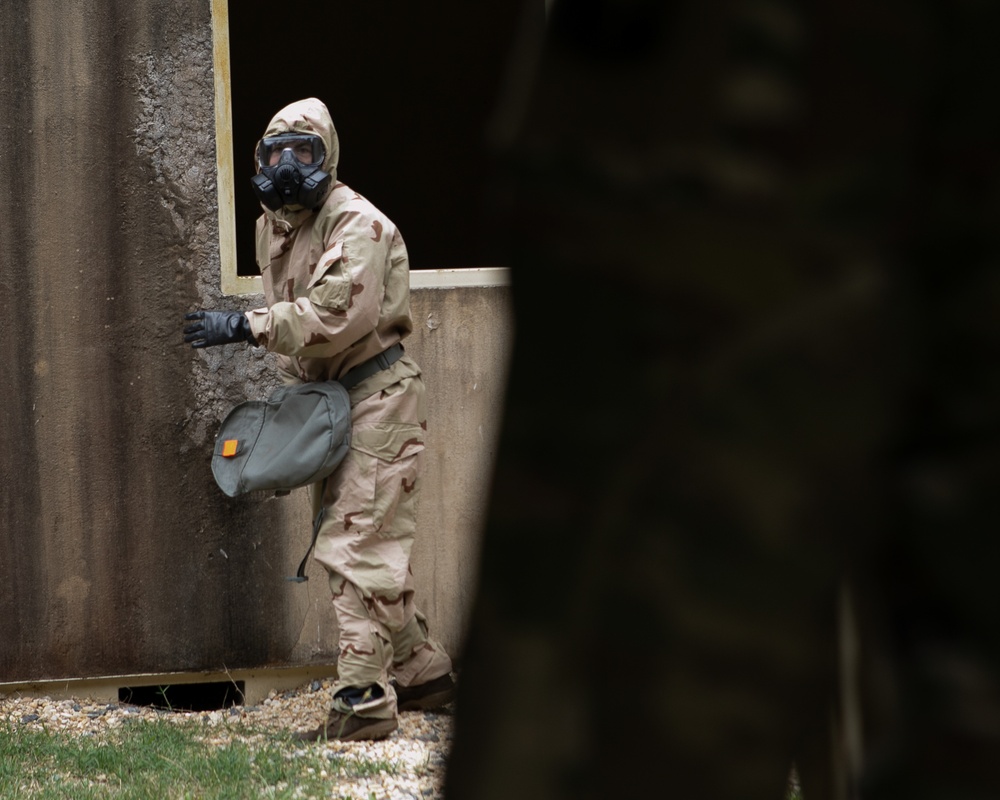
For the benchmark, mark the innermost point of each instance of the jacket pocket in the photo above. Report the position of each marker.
(388, 457)
(330, 284)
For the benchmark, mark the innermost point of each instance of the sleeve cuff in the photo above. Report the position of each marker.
(258, 324)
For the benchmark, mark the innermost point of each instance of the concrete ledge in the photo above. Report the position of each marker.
(456, 278)
(233, 284)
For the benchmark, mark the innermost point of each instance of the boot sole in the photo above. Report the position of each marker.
(379, 730)
(430, 701)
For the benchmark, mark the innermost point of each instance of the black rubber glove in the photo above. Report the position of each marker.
(217, 327)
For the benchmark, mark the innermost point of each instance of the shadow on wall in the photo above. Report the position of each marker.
(754, 277)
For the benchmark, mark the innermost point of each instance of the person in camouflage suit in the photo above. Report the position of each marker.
(336, 282)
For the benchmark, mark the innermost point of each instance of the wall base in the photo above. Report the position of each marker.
(258, 683)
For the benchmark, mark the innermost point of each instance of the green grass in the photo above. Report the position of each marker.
(161, 759)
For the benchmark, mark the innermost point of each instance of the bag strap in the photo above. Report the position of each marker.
(300, 575)
(366, 369)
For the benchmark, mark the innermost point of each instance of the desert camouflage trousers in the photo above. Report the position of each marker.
(365, 542)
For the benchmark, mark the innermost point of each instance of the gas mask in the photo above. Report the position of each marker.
(290, 171)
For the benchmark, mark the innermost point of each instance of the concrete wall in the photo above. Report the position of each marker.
(118, 555)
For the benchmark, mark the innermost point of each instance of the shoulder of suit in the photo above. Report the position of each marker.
(348, 208)
(350, 200)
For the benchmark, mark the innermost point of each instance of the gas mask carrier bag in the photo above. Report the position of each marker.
(296, 437)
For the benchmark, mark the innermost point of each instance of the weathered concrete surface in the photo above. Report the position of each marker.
(112, 536)
(118, 555)
(462, 341)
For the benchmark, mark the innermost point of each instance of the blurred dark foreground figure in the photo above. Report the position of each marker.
(744, 508)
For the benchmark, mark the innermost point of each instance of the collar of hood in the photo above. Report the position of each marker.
(305, 116)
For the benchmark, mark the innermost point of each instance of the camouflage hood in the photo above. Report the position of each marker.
(305, 116)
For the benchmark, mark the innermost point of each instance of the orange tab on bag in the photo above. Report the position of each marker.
(229, 447)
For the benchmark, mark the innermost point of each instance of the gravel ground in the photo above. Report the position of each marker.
(418, 747)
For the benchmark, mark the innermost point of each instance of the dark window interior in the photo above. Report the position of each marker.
(410, 86)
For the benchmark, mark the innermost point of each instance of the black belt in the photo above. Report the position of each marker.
(366, 369)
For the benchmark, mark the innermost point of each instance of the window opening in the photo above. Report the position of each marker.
(411, 88)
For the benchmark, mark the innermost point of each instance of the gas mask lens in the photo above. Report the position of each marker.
(307, 149)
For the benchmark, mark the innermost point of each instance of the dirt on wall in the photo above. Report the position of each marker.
(118, 555)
